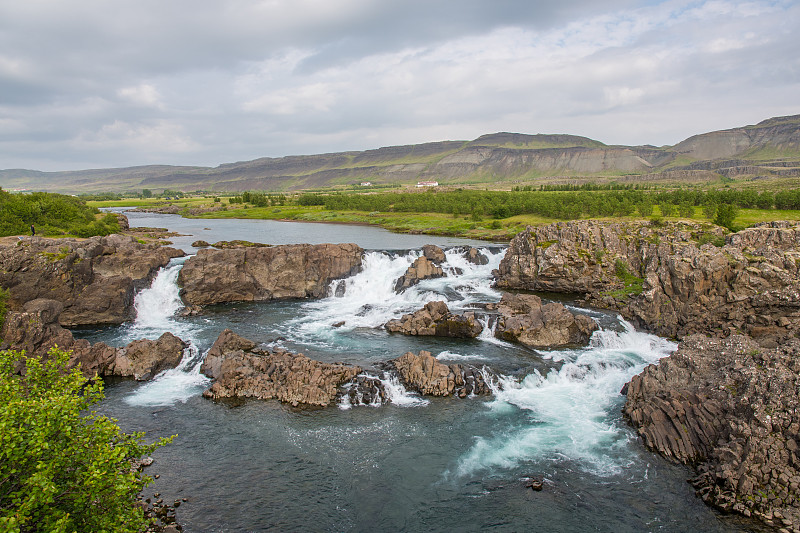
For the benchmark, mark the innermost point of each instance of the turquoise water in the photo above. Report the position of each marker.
(414, 464)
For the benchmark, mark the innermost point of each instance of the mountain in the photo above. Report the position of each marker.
(770, 148)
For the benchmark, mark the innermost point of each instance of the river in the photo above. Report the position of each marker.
(416, 464)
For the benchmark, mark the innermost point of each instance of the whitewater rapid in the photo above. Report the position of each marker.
(566, 408)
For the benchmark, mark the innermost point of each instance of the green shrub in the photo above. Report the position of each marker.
(63, 467)
(3, 309)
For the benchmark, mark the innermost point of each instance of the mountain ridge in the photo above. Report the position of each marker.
(770, 148)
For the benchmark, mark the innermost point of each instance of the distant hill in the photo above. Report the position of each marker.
(768, 149)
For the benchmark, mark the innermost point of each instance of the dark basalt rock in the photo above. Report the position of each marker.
(262, 273)
(36, 329)
(731, 409)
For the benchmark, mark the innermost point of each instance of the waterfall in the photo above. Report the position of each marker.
(155, 315)
(156, 305)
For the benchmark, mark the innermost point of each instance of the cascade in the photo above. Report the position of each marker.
(565, 413)
(155, 314)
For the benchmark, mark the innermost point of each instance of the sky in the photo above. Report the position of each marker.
(99, 83)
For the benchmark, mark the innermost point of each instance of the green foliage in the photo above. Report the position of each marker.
(571, 203)
(63, 467)
(52, 214)
(667, 209)
(686, 210)
(633, 284)
(3, 309)
(726, 213)
(645, 208)
(706, 238)
(147, 193)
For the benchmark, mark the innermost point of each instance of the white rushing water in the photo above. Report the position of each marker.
(155, 315)
(572, 412)
(369, 298)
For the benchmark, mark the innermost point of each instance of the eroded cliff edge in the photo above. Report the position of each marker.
(725, 403)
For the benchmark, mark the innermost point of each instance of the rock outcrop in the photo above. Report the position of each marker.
(436, 319)
(474, 256)
(95, 279)
(36, 329)
(730, 408)
(143, 359)
(524, 319)
(434, 254)
(423, 373)
(266, 273)
(422, 268)
(242, 370)
(663, 278)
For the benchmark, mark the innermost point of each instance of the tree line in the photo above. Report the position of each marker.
(52, 214)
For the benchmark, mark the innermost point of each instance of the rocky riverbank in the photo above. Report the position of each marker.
(725, 403)
(674, 279)
(36, 330)
(94, 279)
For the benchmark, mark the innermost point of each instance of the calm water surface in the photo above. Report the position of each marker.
(415, 464)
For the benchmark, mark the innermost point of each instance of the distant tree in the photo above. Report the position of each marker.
(147, 193)
(686, 210)
(710, 210)
(667, 209)
(726, 213)
(645, 208)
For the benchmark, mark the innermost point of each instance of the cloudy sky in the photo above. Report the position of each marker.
(98, 83)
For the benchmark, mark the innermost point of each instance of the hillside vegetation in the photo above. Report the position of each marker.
(769, 150)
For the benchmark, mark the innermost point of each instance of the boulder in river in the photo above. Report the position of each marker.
(474, 256)
(524, 319)
(436, 319)
(262, 273)
(424, 373)
(434, 254)
(422, 268)
(242, 370)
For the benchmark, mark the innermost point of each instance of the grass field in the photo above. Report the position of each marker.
(423, 223)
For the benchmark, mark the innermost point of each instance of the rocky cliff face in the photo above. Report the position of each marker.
(95, 279)
(730, 408)
(36, 329)
(266, 273)
(663, 278)
(726, 406)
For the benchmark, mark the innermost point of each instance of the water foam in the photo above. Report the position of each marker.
(396, 394)
(155, 315)
(369, 299)
(569, 413)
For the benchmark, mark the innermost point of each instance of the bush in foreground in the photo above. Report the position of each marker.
(63, 468)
